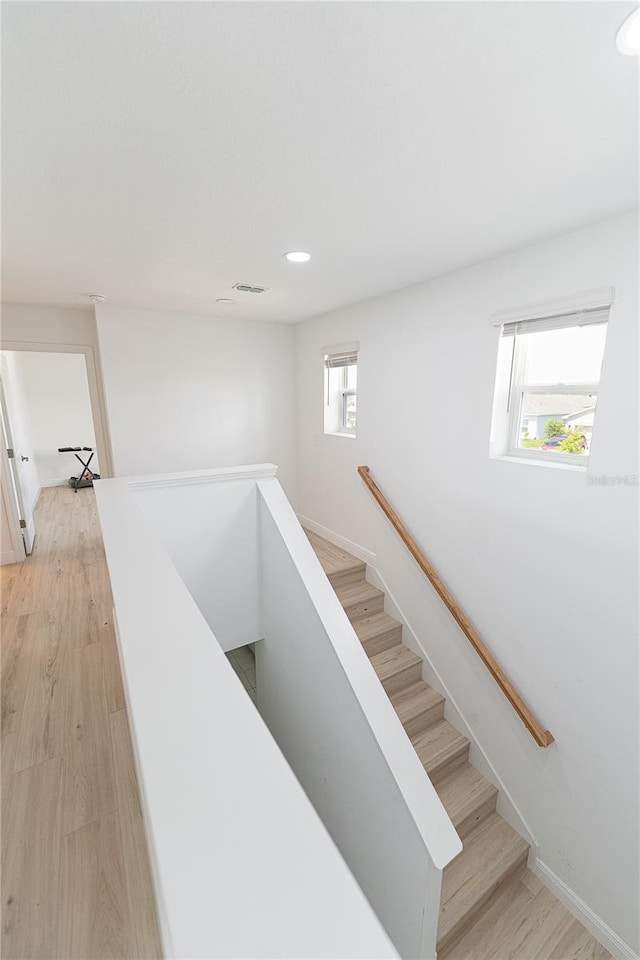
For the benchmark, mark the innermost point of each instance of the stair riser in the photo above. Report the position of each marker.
(445, 767)
(345, 577)
(356, 611)
(458, 931)
(384, 641)
(403, 678)
(421, 721)
(481, 813)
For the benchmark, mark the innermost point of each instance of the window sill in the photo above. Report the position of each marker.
(528, 461)
(351, 436)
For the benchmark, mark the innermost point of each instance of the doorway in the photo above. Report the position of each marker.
(46, 405)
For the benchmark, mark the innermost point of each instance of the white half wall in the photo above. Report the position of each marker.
(189, 392)
(324, 704)
(501, 533)
(241, 863)
(211, 541)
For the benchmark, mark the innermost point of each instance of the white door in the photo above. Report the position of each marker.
(19, 490)
(11, 539)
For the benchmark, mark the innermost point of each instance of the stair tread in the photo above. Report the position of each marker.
(396, 658)
(415, 699)
(492, 851)
(437, 744)
(463, 792)
(358, 592)
(377, 623)
(360, 599)
(489, 854)
(333, 559)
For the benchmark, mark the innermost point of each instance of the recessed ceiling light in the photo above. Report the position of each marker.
(96, 298)
(628, 39)
(225, 300)
(297, 256)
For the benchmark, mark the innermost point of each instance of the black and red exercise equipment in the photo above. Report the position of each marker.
(86, 476)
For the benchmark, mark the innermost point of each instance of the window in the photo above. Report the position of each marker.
(341, 380)
(552, 365)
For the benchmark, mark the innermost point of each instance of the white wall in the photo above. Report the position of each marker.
(336, 727)
(187, 392)
(38, 324)
(211, 540)
(494, 529)
(55, 394)
(242, 864)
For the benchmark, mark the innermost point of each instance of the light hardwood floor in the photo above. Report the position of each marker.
(75, 874)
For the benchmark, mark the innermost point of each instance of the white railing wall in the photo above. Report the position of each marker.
(242, 865)
(335, 725)
(202, 562)
(209, 532)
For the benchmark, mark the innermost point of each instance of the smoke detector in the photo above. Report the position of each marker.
(249, 288)
(97, 298)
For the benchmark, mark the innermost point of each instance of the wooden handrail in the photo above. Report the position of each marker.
(542, 737)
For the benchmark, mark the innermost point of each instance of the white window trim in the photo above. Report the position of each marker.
(516, 398)
(344, 393)
(332, 351)
(587, 300)
(602, 297)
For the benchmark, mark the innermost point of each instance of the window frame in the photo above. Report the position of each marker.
(578, 309)
(346, 392)
(519, 389)
(515, 414)
(337, 391)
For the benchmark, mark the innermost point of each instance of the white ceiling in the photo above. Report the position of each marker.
(160, 152)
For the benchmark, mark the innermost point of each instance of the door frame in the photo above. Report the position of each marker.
(25, 516)
(96, 396)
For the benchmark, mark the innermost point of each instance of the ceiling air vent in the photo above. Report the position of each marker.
(248, 288)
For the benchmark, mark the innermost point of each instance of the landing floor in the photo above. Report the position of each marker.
(75, 878)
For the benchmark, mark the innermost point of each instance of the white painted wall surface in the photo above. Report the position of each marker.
(335, 725)
(55, 393)
(189, 392)
(211, 540)
(64, 329)
(426, 370)
(242, 865)
(51, 324)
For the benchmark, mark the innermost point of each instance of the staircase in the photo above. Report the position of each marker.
(493, 854)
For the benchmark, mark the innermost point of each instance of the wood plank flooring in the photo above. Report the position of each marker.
(75, 872)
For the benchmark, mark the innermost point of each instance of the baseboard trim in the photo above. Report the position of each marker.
(360, 552)
(54, 483)
(594, 924)
(9, 556)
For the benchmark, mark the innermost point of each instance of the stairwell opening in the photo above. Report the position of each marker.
(243, 661)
